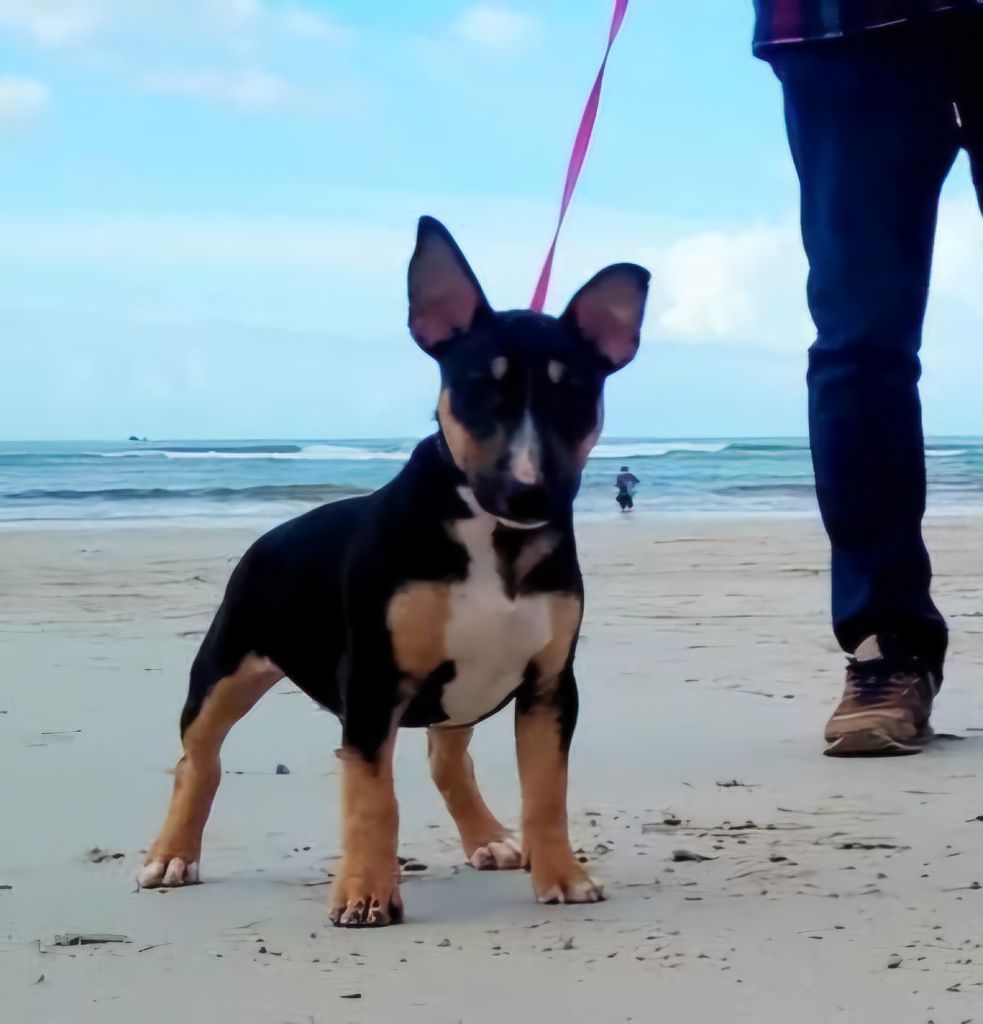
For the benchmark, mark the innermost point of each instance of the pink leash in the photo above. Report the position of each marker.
(580, 144)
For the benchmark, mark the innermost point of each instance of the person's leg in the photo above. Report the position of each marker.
(873, 135)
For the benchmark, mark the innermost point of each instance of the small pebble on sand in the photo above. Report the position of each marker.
(689, 855)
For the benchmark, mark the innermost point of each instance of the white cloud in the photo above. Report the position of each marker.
(51, 22)
(229, 40)
(298, 21)
(256, 17)
(740, 287)
(251, 91)
(241, 25)
(232, 23)
(494, 29)
(234, 12)
(747, 285)
(289, 245)
(22, 99)
(222, 44)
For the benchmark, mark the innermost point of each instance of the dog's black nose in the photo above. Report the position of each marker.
(527, 503)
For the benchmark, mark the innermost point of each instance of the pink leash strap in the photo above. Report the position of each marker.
(580, 144)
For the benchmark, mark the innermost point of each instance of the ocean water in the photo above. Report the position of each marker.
(51, 483)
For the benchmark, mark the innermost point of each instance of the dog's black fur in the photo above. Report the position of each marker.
(316, 598)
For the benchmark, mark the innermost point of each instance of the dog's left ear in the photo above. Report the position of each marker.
(445, 297)
(607, 312)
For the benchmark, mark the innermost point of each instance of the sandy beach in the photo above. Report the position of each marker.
(834, 890)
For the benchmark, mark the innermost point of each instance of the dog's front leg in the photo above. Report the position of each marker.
(366, 889)
(545, 717)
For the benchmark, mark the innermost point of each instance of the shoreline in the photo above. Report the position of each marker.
(655, 518)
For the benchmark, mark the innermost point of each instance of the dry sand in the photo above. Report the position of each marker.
(706, 661)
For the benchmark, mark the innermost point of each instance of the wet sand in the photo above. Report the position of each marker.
(706, 673)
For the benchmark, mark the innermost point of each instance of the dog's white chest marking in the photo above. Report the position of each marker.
(490, 637)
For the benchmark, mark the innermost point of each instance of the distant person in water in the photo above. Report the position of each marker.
(626, 483)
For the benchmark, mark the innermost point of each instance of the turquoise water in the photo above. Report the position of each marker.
(51, 482)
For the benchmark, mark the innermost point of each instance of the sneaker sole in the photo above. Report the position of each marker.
(874, 743)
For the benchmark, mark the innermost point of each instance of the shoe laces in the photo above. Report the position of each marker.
(878, 678)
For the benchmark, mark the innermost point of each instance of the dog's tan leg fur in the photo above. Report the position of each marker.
(366, 891)
(557, 875)
(175, 855)
(488, 844)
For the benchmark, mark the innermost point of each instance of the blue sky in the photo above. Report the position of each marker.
(207, 206)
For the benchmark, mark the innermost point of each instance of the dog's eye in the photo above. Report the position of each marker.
(494, 373)
(563, 376)
(568, 382)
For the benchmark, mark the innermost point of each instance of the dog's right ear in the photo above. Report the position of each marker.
(445, 297)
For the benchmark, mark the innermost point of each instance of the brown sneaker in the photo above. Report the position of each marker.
(886, 703)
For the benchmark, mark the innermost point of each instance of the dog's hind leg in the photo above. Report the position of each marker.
(488, 845)
(215, 703)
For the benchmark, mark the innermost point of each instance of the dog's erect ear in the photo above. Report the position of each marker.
(445, 297)
(607, 312)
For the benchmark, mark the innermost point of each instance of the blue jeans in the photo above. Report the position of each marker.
(873, 127)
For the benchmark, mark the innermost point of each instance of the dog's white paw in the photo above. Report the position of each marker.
(582, 890)
(501, 855)
(168, 874)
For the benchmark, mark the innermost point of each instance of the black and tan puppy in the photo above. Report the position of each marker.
(435, 601)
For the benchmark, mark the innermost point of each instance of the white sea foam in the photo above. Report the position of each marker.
(654, 449)
(352, 453)
(316, 452)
